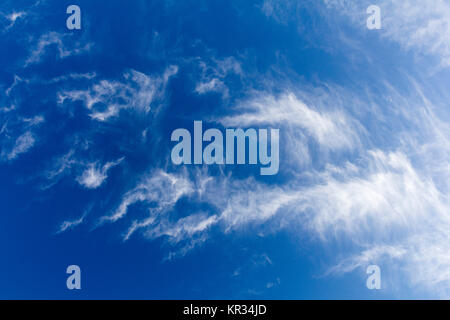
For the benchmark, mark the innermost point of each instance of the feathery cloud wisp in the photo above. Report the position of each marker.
(94, 176)
(107, 98)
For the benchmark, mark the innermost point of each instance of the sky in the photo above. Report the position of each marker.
(87, 179)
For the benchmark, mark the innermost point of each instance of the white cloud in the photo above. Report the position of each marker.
(17, 80)
(18, 136)
(8, 109)
(279, 10)
(391, 206)
(159, 192)
(420, 26)
(381, 204)
(161, 188)
(64, 48)
(212, 85)
(184, 228)
(367, 257)
(387, 196)
(391, 202)
(423, 26)
(59, 167)
(36, 120)
(74, 76)
(383, 207)
(213, 74)
(94, 176)
(12, 18)
(23, 143)
(69, 225)
(106, 99)
(15, 15)
(330, 128)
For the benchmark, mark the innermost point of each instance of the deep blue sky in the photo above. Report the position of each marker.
(85, 123)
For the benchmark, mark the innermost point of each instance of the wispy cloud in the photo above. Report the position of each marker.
(213, 74)
(64, 48)
(74, 76)
(59, 168)
(160, 188)
(12, 18)
(420, 26)
(371, 174)
(95, 175)
(18, 136)
(330, 128)
(106, 99)
(182, 229)
(22, 144)
(387, 204)
(69, 225)
(366, 258)
(17, 80)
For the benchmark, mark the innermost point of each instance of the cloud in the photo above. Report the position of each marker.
(389, 202)
(106, 99)
(158, 188)
(366, 258)
(382, 204)
(383, 209)
(420, 26)
(94, 176)
(23, 143)
(390, 205)
(18, 136)
(331, 128)
(369, 174)
(71, 224)
(34, 121)
(158, 193)
(279, 10)
(14, 15)
(212, 85)
(12, 18)
(387, 196)
(213, 74)
(64, 48)
(184, 228)
(74, 76)
(60, 166)
(17, 80)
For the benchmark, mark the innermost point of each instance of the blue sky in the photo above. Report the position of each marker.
(87, 179)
